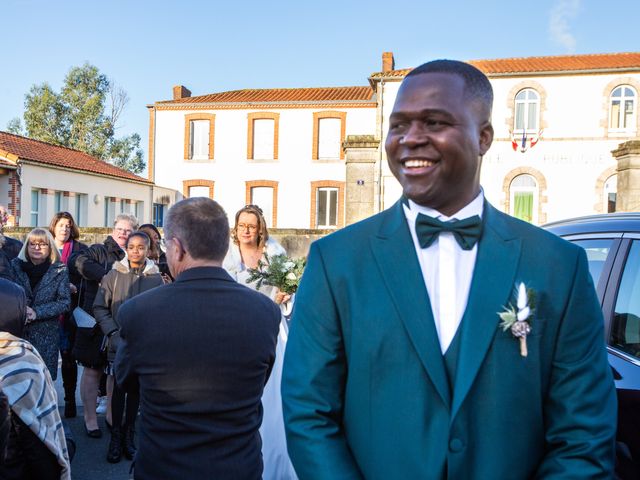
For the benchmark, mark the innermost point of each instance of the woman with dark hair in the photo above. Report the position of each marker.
(65, 235)
(251, 244)
(36, 448)
(129, 277)
(155, 250)
(38, 270)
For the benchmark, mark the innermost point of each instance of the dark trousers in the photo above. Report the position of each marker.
(125, 402)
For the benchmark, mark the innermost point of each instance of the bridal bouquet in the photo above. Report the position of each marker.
(279, 271)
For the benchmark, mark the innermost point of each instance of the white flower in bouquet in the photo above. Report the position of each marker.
(279, 271)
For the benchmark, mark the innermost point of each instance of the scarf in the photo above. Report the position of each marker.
(26, 382)
(35, 272)
(66, 251)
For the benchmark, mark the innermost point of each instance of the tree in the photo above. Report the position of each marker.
(83, 116)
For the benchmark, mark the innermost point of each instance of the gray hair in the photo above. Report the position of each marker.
(125, 217)
(202, 227)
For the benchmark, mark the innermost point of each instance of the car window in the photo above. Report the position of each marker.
(597, 252)
(625, 330)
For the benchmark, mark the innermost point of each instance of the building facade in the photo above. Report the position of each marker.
(278, 148)
(314, 157)
(38, 179)
(556, 121)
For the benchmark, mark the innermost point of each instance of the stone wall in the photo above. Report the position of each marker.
(295, 241)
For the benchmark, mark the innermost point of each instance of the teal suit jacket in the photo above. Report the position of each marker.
(365, 390)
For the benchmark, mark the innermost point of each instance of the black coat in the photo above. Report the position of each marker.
(92, 264)
(11, 247)
(202, 349)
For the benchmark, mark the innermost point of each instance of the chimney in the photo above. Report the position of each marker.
(180, 91)
(388, 63)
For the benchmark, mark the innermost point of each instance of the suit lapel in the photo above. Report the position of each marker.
(492, 287)
(395, 254)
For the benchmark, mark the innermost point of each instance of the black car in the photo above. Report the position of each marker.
(612, 244)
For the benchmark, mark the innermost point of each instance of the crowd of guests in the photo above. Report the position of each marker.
(61, 277)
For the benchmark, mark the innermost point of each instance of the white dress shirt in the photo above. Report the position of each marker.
(447, 269)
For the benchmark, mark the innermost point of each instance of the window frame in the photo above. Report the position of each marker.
(536, 196)
(251, 118)
(248, 197)
(192, 117)
(315, 186)
(621, 115)
(317, 116)
(526, 103)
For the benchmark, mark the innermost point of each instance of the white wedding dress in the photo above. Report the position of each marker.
(277, 465)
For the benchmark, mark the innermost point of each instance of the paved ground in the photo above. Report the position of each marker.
(90, 461)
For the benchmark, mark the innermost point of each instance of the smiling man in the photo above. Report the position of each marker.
(442, 338)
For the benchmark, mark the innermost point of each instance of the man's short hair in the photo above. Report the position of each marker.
(125, 217)
(477, 85)
(201, 225)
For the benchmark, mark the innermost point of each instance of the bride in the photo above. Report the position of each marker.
(250, 242)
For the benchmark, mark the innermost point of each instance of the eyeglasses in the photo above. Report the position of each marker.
(123, 230)
(246, 226)
(39, 245)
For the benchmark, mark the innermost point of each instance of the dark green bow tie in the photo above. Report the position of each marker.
(466, 232)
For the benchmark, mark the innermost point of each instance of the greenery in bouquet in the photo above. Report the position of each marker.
(279, 271)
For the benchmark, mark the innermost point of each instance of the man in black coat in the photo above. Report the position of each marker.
(202, 349)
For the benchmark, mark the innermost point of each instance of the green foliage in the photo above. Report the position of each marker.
(83, 116)
(280, 271)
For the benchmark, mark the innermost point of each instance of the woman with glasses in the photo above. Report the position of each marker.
(250, 242)
(45, 280)
(134, 274)
(65, 235)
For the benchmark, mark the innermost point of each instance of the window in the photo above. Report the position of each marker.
(523, 193)
(124, 206)
(625, 330)
(35, 206)
(263, 197)
(610, 193)
(527, 111)
(198, 136)
(329, 138)
(597, 251)
(197, 188)
(79, 202)
(109, 211)
(138, 210)
(326, 207)
(158, 214)
(622, 108)
(262, 135)
(199, 141)
(198, 192)
(57, 201)
(328, 135)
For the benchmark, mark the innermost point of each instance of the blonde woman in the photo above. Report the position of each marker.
(45, 280)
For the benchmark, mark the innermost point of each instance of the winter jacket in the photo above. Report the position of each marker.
(92, 264)
(118, 286)
(50, 298)
(11, 247)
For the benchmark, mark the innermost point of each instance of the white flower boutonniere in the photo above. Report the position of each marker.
(518, 318)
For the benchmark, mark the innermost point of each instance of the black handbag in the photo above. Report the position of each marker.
(87, 348)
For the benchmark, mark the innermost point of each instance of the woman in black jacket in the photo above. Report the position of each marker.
(129, 277)
(38, 270)
(65, 235)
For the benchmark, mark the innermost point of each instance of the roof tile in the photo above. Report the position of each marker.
(561, 63)
(48, 154)
(328, 94)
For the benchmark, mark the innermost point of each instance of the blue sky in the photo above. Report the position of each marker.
(147, 46)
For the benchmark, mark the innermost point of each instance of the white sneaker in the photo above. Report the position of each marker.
(101, 408)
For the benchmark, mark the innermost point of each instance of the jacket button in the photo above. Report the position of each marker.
(456, 445)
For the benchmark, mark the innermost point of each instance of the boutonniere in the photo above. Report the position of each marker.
(518, 318)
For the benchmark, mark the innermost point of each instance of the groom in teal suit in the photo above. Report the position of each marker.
(399, 364)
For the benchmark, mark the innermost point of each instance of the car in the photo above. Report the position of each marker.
(612, 244)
